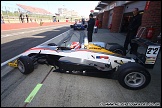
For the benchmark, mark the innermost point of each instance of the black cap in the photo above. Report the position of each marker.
(91, 15)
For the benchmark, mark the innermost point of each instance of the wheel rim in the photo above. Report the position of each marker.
(21, 66)
(134, 79)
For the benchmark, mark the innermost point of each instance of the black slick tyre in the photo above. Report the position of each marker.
(118, 49)
(25, 64)
(133, 76)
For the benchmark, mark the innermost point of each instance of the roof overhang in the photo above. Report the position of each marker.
(101, 5)
(108, 2)
(95, 13)
(98, 8)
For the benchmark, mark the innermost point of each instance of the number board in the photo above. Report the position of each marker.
(152, 51)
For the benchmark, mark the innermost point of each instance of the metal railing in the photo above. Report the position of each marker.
(141, 30)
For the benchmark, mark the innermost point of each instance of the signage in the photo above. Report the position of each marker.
(147, 5)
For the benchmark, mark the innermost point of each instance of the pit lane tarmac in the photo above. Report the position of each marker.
(36, 89)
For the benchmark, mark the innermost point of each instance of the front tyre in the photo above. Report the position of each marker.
(133, 76)
(71, 26)
(25, 64)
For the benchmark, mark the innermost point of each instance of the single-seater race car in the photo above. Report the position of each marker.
(78, 26)
(89, 57)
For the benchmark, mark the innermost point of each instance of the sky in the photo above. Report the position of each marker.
(82, 7)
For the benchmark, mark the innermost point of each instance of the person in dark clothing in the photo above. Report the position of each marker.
(90, 27)
(97, 25)
(134, 24)
(21, 17)
(83, 21)
(27, 18)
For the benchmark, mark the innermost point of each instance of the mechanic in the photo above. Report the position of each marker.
(97, 25)
(90, 27)
(83, 21)
(134, 24)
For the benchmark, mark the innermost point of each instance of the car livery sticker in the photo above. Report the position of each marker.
(150, 60)
(102, 57)
(39, 49)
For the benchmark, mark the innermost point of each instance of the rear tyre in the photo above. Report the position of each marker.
(25, 64)
(118, 49)
(133, 76)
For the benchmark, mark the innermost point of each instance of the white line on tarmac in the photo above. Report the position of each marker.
(4, 63)
(8, 35)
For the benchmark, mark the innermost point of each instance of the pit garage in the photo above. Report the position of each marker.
(128, 13)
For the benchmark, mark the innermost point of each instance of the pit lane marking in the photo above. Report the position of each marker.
(36, 89)
(13, 34)
(33, 93)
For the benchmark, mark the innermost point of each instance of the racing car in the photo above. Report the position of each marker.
(78, 26)
(88, 57)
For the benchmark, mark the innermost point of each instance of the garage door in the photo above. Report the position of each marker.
(110, 17)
